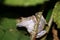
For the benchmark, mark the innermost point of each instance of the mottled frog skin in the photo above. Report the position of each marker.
(29, 23)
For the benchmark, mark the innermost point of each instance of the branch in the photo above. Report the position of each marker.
(48, 27)
(34, 33)
(55, 34)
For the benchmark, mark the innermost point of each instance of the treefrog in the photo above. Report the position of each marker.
(29, 23)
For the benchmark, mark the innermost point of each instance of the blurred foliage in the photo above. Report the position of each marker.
(56, 14)
(7, 23)
(11, 35)
(49, 15)
(8, 30)
(23, 2)
(56, 17)
(1, 34)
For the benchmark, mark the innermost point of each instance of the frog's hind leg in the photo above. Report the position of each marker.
(42, 33)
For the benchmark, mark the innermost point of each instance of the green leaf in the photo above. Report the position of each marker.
(23, 2)
(8, 23)
(11, 35)
(56, 14)
(8, 30)
(49, 15)
(1, 34)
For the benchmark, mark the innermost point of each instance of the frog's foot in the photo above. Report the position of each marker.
(42, 33)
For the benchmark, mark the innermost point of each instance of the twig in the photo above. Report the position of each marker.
(49, 23)
(34, 33)
(48, 27)
(55, 34)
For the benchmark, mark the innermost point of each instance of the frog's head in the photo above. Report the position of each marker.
(21, 22)
(25, 21)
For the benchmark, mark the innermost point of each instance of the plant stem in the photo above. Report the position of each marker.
(48, 27)
(55, 34)
(34, 33)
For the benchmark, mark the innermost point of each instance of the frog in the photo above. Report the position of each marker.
(29, 22)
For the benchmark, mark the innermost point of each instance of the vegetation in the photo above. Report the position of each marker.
(24, 2)
(8, 29)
